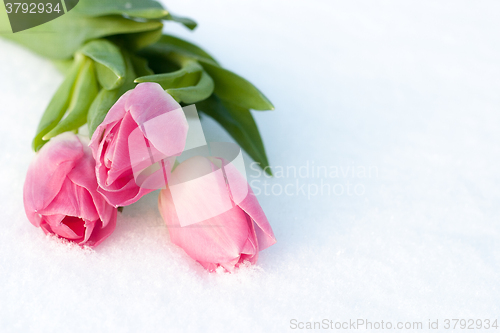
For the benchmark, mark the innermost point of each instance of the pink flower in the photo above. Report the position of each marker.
(60, 193)
(226, 239)
(144, 123)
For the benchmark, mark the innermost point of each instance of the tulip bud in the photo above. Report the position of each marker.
(144, 123)
(60, 193)
(229, 237)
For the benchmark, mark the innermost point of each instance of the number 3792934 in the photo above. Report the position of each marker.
(470, 324)
(32, 8)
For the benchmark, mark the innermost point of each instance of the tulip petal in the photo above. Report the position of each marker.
(167, 132)
(209, 266)
(74, 228)
(217, 240)
(89, 227)
(148, 100)
(230, 265)
(250, 251)
(117, 184)
(250, 205)
(90, 202)
(101, 231)
(65, 202)
(46, 228)
(159, 116)
(199, 191)
(55, 160)
(117, 152)
(114, 114)
(263, 230)
(68, 227)
(124, 193)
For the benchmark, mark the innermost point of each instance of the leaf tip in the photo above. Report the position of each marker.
(268, 171)
(47, 137)
(37, 144)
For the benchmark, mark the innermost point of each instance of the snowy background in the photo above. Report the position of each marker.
(406, 89)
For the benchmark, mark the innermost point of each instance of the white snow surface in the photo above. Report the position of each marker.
(406, 91)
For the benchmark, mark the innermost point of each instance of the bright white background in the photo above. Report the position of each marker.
(408, 87)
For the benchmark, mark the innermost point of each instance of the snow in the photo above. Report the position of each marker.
(407, 90)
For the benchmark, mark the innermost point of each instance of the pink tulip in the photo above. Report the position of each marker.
(60, 193)
(227, 239)
(145, 121)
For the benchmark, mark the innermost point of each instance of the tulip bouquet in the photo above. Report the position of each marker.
(120, 122)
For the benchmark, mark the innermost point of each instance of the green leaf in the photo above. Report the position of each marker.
(192, 94)
(239, 123)
(168, 43)
(131, 74)
(84, 92)
(187, 76)
(100, 107)
(237, 90)
(107, 98)
(187, 22)
(58, 105)
(147, 9)
(61, 38)
(190, 84)
(110, 66)
(107, 78)
(140, 40)
(140, 65)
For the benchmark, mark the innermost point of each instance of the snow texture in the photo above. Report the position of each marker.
(405, 93)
